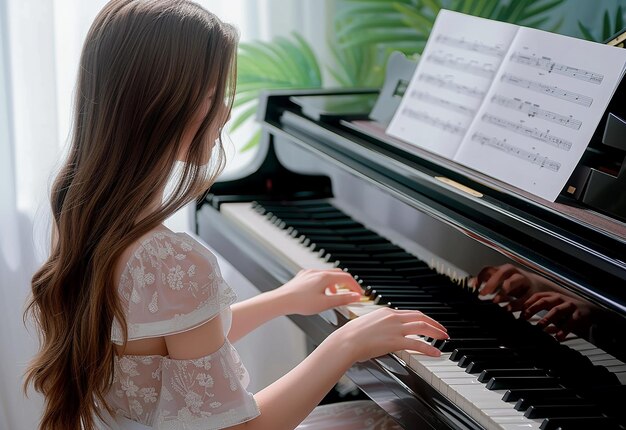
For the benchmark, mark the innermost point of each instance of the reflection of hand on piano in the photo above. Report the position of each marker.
(313, 291)
(509, 284)
(565, 314)
(530, 293)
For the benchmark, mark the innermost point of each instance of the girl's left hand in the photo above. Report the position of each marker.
(313, 291)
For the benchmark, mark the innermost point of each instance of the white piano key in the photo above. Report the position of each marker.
(285, 248)
(524, 426)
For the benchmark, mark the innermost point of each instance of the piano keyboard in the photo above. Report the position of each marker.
(503, 372)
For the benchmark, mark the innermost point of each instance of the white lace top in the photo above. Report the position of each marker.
(170, 284)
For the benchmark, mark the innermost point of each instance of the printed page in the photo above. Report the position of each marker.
(457, 67)
(541, 111)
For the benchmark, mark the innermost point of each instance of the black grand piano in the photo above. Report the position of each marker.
(330, 189)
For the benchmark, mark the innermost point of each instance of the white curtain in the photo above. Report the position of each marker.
(39, 51)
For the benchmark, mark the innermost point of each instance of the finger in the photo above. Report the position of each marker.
(540, 301)
(537, 296)
(540, 305)
(556, 315)
(501, 297)
(484, 275)
(561, 335)
(517, 304)
(343, 299)
(516, 285)
(496, 279)
(421, 346)
(409, 316)
(424, 329)
(574, 323)
(552, 329)
(345, 281)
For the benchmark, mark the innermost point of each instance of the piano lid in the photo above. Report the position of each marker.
(576, 247)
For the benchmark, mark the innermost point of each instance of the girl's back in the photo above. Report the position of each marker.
(170, 283)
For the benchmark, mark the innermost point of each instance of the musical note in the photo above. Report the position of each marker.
(485, 70)
(545, 63)
(432, 121)
(533, 111)
(528, 132)
(501, 145)
(451, 85)
(447, 104)
(550, 90)
(494, 51)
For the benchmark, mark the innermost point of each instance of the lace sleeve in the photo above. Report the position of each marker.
(171, 284)
(205, 393)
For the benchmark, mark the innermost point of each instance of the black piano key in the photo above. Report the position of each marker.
(368, 281)
(391, 255)
(295, 232)
(385, 279)
(458, 353)
(412, 263)
(349, 255)
(550, 411)
(341, 223)
(455, 331)
(409, 272)
(379, 288)
(408, 292)
(316, 209)
(361, 271)
(449, 345)
(429, 280)
(426, 300)
(579, 423)
(325, 216)
(334, 246)
(513, 395)
(525, 403)
(307, 204)
(486, 375)
(612, 398)
(351, 231)
(435, 314)
(367, 239)
(467, 358)
(359, 263)
(510, 382)
(311, 225)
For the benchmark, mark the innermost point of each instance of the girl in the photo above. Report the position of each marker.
(136, 322)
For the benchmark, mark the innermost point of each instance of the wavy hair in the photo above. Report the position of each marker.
(146, 72)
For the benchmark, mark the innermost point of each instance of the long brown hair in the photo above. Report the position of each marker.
(146, 70)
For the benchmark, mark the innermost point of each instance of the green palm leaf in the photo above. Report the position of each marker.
(408, 23)
(281, 64)
(608, 30)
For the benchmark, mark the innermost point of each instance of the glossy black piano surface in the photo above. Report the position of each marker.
(361, 199)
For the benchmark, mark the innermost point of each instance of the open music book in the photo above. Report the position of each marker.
(514, 103)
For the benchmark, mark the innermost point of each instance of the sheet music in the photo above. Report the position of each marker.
(456, 69)
(542, 110)
(514, 103)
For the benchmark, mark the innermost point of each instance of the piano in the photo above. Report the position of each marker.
(330, 189)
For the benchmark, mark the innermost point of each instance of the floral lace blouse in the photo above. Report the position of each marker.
(170, 284)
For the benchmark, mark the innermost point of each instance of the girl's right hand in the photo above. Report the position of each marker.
(385, 330)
